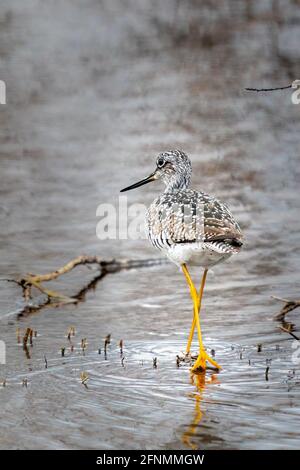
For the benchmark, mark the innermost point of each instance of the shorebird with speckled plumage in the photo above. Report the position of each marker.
(192, 229)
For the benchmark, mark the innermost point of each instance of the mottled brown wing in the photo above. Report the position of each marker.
(219, 224)
(190, 216)
(170, 222)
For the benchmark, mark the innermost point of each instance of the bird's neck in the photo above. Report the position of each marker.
(177, 183)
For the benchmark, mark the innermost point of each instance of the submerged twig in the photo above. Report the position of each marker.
(30, 337)
(24, 383)
(83, 345)
(18, 334)
(71, 332)
(84, 377)
(106, 343)
(27, 293)
(288, 307)
(267, 373)
(27, 336)
(55, 298)
(269, 89)
(286, 330)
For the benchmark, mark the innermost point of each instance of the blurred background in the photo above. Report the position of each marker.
(95, 89)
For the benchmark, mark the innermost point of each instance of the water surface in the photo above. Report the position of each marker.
(95, 91)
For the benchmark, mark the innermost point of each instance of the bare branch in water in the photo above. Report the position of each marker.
(286, 330)
(288, 307)
(53, 298)
(269, 89)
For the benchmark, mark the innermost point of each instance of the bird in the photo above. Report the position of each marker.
(191, 228)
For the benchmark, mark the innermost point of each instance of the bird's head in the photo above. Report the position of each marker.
(173, 167)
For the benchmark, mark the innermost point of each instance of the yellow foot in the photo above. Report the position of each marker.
(200, 363)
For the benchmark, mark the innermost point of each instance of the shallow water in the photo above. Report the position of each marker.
(104, 88)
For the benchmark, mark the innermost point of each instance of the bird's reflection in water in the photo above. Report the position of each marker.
(200, 381)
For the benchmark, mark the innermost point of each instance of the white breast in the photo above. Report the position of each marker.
(195, 254)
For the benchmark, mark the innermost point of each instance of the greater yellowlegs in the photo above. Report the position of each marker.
(191, 228)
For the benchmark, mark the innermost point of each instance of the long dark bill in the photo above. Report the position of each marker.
(150, 178)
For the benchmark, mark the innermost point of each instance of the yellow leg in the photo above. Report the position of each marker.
(191, 335)
(203, 356)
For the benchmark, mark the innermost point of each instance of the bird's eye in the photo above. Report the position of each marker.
(160, 162)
